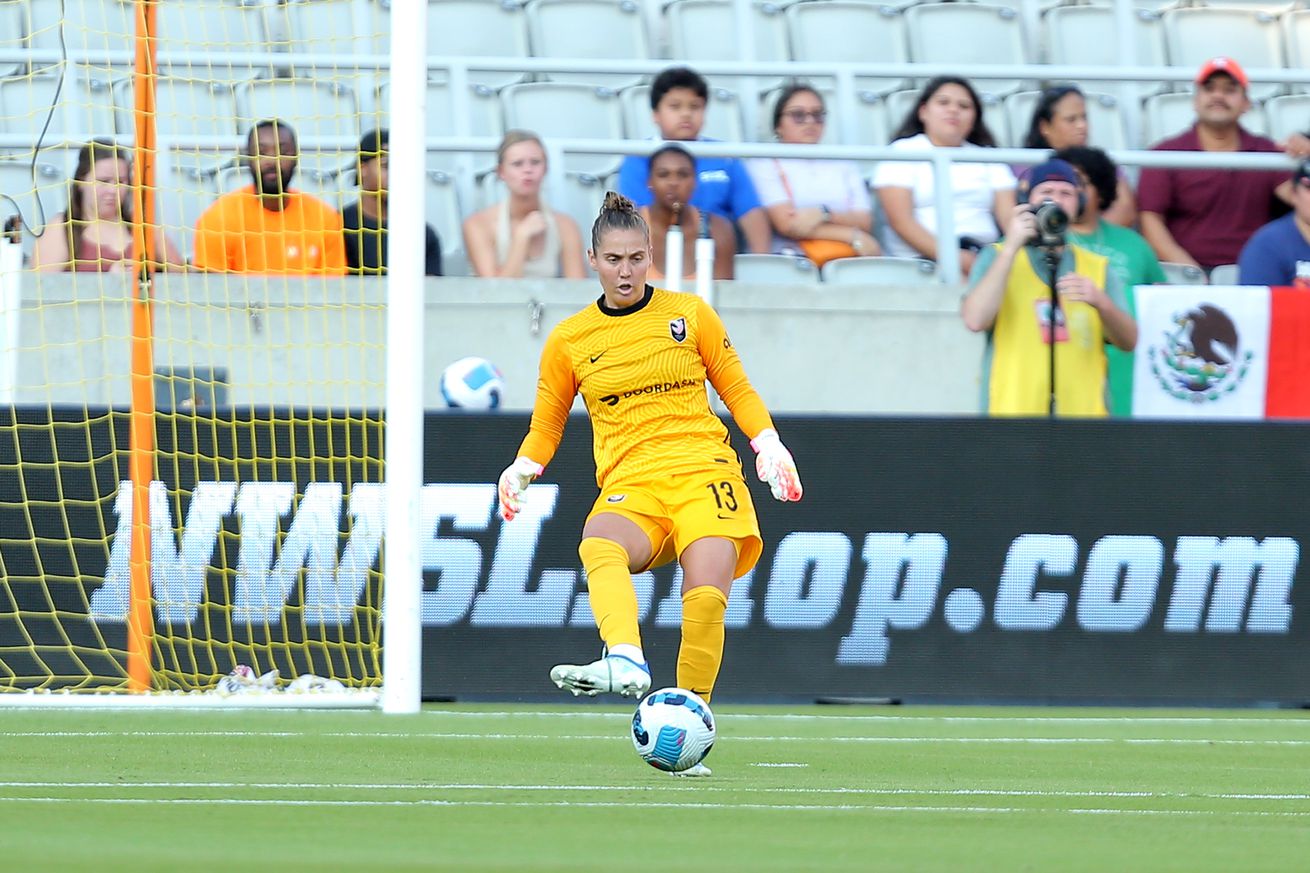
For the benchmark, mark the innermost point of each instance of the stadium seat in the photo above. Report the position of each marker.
(900, 103)
(774, 269)
(85, 108)
(565, 110)
(705, 30)
(185, 107)
(88, 25)
(1104, 118)
(315, 109)
(328, 175)
(1171, 113)
(722, 117)
(340, 27)
(968, 33)
(485, 114)
(1088, 35)
(1296, 41)
(472, 28)
(1288, 115)
(849, 31)
(589, 30)
(12, 37)
(1195, 34)
(879, 271)
(1183, 274)
(205, 30)
(1224, 274)
(442, 209)
(50, 190)
(187, 187)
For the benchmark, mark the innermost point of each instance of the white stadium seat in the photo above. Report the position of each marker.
(774, 269)
(88, 25)
(1224, 274)
(50, 189)
(472, 28)
(1288, 115)
(565, 110)
(206, 30)
(879, 271)
(486, 118)
(968, 33)
(186, 107)
(706, 30)
(12, 37)
(1252, 38)
(443, 212)
(840, 31)
(328, 175)
(187, 187)
(1105, 120)
(722, 116)
(1089, 35)
(1296, 41)
(1183, 274)
(314, 109)
(85, 108)
(337, 27)
(592, 30)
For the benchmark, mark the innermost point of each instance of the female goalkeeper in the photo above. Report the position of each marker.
(670, 483)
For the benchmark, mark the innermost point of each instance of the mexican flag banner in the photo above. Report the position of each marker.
(1222, 352)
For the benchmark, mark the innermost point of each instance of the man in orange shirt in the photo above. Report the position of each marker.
(267, 227)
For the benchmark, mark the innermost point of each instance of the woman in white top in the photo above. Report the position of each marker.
(521, 236)
(811, 198)
(947, 114)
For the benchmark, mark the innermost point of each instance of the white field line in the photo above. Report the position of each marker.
(1294, 720)
(646, 805)
(670, 785)
(771, 738)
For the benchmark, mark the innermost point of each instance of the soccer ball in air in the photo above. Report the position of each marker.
(673, 729)
(472, 383)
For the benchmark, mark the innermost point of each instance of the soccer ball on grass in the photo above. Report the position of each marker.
(472, 383)
(673, 729)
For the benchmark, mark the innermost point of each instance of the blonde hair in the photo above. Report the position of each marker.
(513, 138)
(617, 213)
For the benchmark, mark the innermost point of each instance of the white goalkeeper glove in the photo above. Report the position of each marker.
(774, 464)
(513, 482)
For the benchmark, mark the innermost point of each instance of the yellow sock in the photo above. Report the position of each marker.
(609, 587)
(701, 653)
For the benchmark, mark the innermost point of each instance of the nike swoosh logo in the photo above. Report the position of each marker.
(598, 357)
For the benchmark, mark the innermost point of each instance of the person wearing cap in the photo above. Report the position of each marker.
(1204, 216)
(1009, 298)
(1279, 252)
(365, 220)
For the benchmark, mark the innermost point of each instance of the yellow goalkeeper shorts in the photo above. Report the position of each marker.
(675, 514)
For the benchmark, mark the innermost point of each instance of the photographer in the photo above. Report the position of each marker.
(1010, 294)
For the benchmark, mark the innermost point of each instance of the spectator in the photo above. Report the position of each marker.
(678, 98)
(1009, 297)
(521, 236)
(1203, 217)
(673, 185)
(365, 220)
(817, 207)
(96, 225)
(267, 227)
(947, 114)
(1130, 256)
(1060, 122)
(1279, 252)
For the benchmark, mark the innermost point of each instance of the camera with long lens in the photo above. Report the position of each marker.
(1052, 222)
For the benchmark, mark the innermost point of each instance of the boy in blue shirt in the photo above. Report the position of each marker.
(678, 97)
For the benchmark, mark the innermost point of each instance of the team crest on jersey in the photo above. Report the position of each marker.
(678, 328)
(616, 498)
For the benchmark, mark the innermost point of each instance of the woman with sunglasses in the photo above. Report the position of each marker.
(811, 199)
(1060, 122)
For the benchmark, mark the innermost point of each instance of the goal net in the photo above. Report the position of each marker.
(191, 468)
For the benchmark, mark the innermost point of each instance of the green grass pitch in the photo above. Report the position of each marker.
(515, 788)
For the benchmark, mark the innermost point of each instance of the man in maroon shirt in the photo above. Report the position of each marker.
(1204, 217)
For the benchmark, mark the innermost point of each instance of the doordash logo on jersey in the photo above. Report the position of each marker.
(654, 388)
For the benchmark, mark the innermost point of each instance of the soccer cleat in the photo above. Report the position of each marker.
(613, 674)
(694, 770)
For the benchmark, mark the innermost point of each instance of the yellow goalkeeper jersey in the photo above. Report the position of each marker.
(642, 372)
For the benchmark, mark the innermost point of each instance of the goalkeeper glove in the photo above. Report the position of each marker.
(774, 464)
(513, 482)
